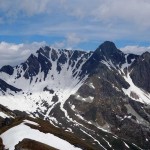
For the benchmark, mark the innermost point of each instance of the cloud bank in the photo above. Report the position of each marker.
(135, 49)
(14, 54)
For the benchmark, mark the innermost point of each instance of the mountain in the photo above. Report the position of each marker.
(101, 98)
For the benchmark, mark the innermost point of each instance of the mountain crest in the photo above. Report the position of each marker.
(146, 55)
(110, 52)
(108, 47)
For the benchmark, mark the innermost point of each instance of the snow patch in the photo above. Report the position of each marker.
(107, 142)
(92, 86)
(22, 131)
(133, 91)
(107, 64)
(3, 115)
(143, 97)
(94, 139)
(31, 122)
(126, 145)
(87, 99)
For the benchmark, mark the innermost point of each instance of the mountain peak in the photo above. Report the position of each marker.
(108, 45)
(108, 48)
(146, 55)
(109, 51)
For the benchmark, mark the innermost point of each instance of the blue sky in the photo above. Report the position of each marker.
(75, 24)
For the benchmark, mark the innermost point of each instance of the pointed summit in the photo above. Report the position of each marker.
(146, 55)
(108, 47)
(108, 51)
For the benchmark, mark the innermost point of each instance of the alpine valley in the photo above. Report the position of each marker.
(71, 99)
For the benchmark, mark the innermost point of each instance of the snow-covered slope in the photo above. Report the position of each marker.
(23, 131)
(51, 73)
(134, 92)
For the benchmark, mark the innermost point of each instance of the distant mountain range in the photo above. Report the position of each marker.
(101, 98)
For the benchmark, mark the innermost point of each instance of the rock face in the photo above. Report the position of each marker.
(1, 144)
(105, 53)
(4, 87)
(109, 51)
(141, 71)
(7, 69)
(101, 96)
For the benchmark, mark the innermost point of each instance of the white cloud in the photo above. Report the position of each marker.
(114, 19)
(58, 45)
(13, 9)
(28, 7)
(71, 41)
(13, 54)
(135, 49)
(114, 11)
(96, 20)
(131, 11)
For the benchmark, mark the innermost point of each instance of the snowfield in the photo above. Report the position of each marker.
(33, 96)
(16, 134)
